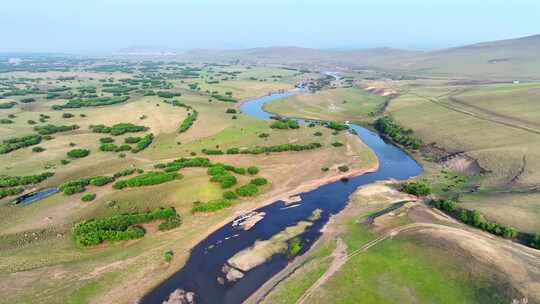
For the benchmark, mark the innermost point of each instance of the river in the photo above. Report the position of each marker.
(200, 273)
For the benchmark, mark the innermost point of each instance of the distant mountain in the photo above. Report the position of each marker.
(146, 51)
(302, 56)
(509, 59)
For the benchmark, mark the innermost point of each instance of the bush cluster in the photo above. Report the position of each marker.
(121, 227)
(178, 164)
(143, 143)
(106, 140)
(7, 105)
(223, 98)
(389, 127)
(247, 190)
(188, 121)
(220, 175)
(10, 191)
(114, 148)
(51, 129)
(419, 188)
(78, 153)
(336, 125)
(164, 94)
(210, 206)
(474, 218)
(118, 129)
(88, 197)
(267, 149)
(91, 102)
(132, 139)
(12, 181)
(445, 205)
(253, 170)
(147, 179)
(16, 143)
(284, 124)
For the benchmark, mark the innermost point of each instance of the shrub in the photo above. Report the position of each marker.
(106, 140)
(101, 180)
(10, 191)
(247, 190)
(132, 140)
(294, 246)
(419, 188)
(343, 168)
(259, 181)
(535, 243)
(264, 135)
(188, 121)
(31, 122)
(223, 98)
(27, 100)
(91, 102)
(233, 151)
(210, 206)
(118, 129)
(108, 147)
(51, 129)
(119, 227)
(67, 115)
(6, 121)
(78, 153)
(388, 127)
(125, 172)
(16, 143)
(445, 205)
(143, 143)
(474, 218)
(147, 179)
(324, 169)
(281, 148)
(212, 152)
(164, 94)
(231, 111)
(88, 197)
(170, 223)
(168, 256)
(7, 105)
(38, 149)
(337, 144)
(317, 133)
(253, 170)
(285, 123)
(229, 195)
(336, 126)
(12, 181)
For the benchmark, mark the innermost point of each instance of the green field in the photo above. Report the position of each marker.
(504, 142)
(353, 104)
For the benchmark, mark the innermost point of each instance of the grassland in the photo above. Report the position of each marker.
(408, 267)
(353, 104)
(40, 262)
(477, 120)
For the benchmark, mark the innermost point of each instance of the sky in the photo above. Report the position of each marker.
(92, 26)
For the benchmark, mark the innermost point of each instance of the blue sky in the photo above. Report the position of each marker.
(108, 25)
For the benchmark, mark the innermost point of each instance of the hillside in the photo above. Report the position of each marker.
(505, 59)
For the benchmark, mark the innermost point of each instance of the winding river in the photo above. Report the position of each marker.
(200, 273)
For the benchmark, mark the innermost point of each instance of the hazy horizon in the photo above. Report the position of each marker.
(107, 26)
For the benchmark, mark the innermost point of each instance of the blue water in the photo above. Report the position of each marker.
(204, 264)
(34, 196)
